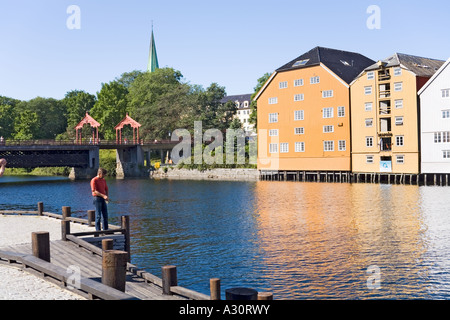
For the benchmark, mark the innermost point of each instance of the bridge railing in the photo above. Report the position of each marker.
(47, 142)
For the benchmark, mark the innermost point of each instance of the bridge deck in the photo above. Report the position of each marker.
(66, 253)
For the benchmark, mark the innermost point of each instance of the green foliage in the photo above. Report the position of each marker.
(77, 103)
(253, 105)
(108, 161)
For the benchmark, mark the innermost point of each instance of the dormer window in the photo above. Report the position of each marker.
(300, 63)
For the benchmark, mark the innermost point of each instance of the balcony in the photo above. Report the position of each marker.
(384, 75)
(384, 91)
(384, 108)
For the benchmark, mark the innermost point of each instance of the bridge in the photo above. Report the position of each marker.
(83, 157)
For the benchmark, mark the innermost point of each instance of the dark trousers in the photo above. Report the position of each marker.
(101, 211)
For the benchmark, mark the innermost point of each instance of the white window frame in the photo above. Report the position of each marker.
(273, 100)
(398, 86)
(445, 93)
(328, 129)
(400, 141)
(397, 71)
(299, 97)
(328, 146)
(273, 132)
(273, 117)
(370, 75)
(399, 121)
(342, 145)
(283, 84)
(370, 159)
(284, 147)
(298, 82)
(398, 103)
(368, 90)
(437, 137)
(446, 114)
(369, 142)
(328, 113)
(273, 148)
(400, 159)
(300, 146)
(299, 130)
(314, 80)
(341, 112)
(446, 136)
(446, 154)
(327, 94)
(369, 122)
(299, 115)
(368, 106)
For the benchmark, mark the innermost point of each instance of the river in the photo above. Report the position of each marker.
(297, 240)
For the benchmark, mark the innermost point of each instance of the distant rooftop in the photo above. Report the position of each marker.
(240, 98)
(422, 67)
(347, 65)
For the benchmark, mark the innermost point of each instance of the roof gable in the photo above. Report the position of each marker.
(430, 81)
(346, 65)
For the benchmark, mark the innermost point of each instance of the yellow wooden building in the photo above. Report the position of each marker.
(303, 112)
(385, 114)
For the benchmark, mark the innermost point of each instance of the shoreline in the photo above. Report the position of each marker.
(17, 284)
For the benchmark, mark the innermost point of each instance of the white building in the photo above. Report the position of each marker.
(435, 122)
(243, 110)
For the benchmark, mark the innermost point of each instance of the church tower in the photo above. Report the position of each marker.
(153, 58)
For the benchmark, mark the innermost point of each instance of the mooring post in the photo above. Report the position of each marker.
(65, 229)
(125, 224)
(114, 269)
(40, 242)
(265, 296)
(66, 212)
(91, 217)
(214, 285)
(40, 206)
(107, 244)
(169, 278)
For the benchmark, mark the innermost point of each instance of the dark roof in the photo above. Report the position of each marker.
(347, 65)
(422, 67)
(240, 98)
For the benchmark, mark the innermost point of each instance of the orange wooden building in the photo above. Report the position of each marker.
(304, 112)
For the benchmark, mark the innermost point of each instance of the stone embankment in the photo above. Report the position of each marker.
(212, 174)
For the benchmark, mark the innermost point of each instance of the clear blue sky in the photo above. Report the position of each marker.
(230, 42)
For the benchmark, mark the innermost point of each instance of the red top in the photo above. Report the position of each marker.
(99, 185)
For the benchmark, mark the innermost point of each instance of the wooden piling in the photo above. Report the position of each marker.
(114, 269)
(169, 278)
(40, 242)
(214, 285)
(107, 244)
(125, 224)
(40, 206)
(91, 217)
(65, 229)
(265, 296)
(66, 212)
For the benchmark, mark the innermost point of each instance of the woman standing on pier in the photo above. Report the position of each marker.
(2, 166)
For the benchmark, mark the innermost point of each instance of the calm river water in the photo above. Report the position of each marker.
(297, 240)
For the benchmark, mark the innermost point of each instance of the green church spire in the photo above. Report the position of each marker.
(153, 58)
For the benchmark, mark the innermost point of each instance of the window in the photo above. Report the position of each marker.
(298, 115)
(273, 148)
(273, 100)
(370, 75)
(368, 106)
(345, 63)
(368, 90)
(398, 121)
(397, 71)
(369, 159)
(445, 114)
(273, 132)
(300, 63)
(399, 104)
(314, 80)
(298, 82)
(327, 112)
(400, 159)
(327, 94)
(341, 112)
(399, 141)
(437, 137)
(369, 122)
(327, 129)
(328, 146)
(445, 93)
(299, 97)
(273, 117)
(299, 130)
(342, 145)
(299, 147)
(283, 85)
(369, 142)
(284, 147)
(398, 86)
(446, 136)
(446, 154)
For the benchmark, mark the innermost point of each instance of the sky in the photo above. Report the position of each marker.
(231, 43)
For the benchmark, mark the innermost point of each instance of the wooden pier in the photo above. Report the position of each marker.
(76, 262)
(426, 179)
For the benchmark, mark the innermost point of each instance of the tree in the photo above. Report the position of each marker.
(253, 105)
(26, 125)
(77, 103)
(7, 115)
(110, 108)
